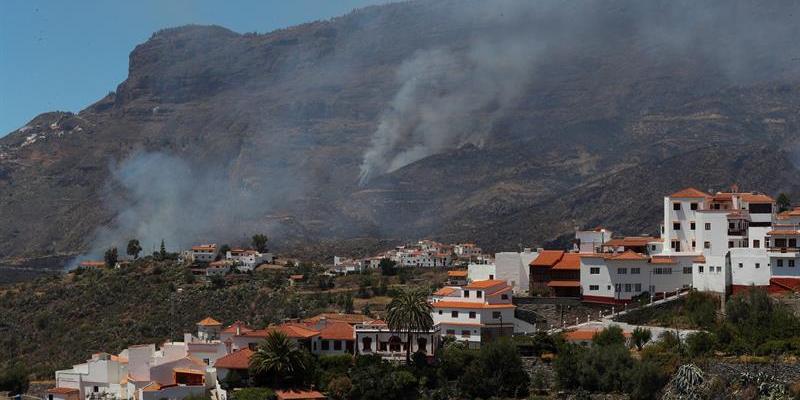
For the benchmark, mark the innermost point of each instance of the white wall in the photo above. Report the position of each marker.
(514, 268)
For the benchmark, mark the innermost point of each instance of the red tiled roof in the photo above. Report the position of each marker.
(662, 260)
(629, 255)
(457, 273)
(338, 331)
(299, 395)
(570, 262)
(236, 360)
(489, 283)
(790, 213)
(699, 259)
(547, 258)
(467, 304)
(92, 264)
(564, 284)
(445, 291)
(290, 330)
(62, 390)
(241, 325)
(689, 193)
(208, 321)
(205, 247)
(784, 232)
(757, 198)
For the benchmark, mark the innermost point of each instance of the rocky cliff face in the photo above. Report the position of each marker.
(504, 122)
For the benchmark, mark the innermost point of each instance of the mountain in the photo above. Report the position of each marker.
(505, 122)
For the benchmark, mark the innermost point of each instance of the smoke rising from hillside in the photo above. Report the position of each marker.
(158, 196)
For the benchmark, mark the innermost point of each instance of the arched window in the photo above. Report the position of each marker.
(366, 344)
(422, 344)
(394, 343)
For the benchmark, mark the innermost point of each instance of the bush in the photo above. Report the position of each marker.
(14, 380)
(497, 371)
(254, 393)
(647, 379)
(700, 343)
(641, 336)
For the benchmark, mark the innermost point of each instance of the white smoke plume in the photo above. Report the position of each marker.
(442, 98)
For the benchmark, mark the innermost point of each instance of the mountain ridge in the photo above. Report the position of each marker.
(482, 119)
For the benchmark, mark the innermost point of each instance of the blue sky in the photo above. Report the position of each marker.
(65, 55)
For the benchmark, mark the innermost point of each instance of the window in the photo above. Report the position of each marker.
(637, 287)
(454, 314)
(692, 225)
(708, 226)
(628, 288)
(465, 332)
(741, 265)
(466, 294)
(730, 244)
(496, 315)
(608, 287)
(95, 389)
(635, 271)
(491, 277)
(617, 287)
(594, 287)
(694, 244)
(791, 263)
(687, 270)
(676, 226)
(472, 314)
(653, 247)
(49, 397)
(440, 312)
(756, 243)
(719, 269)
(622, 271)
(707, 245)
(205, 360)
(594, 270)
(366, 344)
(693, 206)
(780, 262)
(758, 265)
(504, 296)
(337, 344)
(326, 345)
(478, 294)
(675, 244)
(700, 269)
(676, 206)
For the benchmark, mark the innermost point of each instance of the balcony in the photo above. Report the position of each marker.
(737, 232)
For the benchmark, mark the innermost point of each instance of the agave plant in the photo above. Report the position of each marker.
(687, 381)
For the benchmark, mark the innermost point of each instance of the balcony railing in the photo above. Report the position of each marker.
(784, 249)
(737, 232)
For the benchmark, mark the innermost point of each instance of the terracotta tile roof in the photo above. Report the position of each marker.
(790, 213)
(296, 277)
(236, 360)
(205, 247)
(189, 371)
(152, 387)
(699, 259)
(62, 390)
(569, 262)
(757, 198)
(294, 331)
(564, 284)
(299, 395)
(662, 260)
(445, 291)
(547, 258)
(629, 255)
(784, 232)
(208, 321)
(467, 304)
(689, 193)
(238, 324)
(489, 283)
(335, 330)
(92, 264)
(351, 319)
(457, 274)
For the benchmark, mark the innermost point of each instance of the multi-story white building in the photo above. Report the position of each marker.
(475, 313)
(203, 253)
(514, 268)
(722, 243)
(467, 250)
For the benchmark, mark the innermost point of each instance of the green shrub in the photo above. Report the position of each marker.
(254, 393)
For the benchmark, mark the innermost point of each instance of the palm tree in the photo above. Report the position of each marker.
(278, 359)
(409, 312)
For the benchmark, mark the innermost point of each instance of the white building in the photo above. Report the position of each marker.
(514, 268)
(376, 338)
(203, 253)
(246, 259)
(467, 250)
(475, 313)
